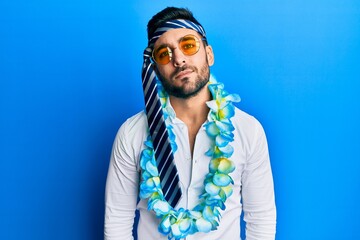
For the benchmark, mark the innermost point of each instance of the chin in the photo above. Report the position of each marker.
(187, 92)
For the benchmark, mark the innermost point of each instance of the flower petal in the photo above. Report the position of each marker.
(212, 105)
(151, 169)
(161, 207)
(184, 225)
(208, 214)
(227, 111)
(195, 214)
(221, 180)
(226, 166)
(228, 190)
(214, 164)
(175, 230)
(203, 225)
(211, 129)
(212, 189)
(221, 141)
(224, 126)
(164, 226)
(227, 151)
(233, 98)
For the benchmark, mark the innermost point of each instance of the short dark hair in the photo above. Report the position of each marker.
(169, 13)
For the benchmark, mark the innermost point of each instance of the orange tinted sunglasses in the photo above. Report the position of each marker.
(188, 45)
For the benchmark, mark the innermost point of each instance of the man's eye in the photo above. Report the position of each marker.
(163, 54)
(188, 46)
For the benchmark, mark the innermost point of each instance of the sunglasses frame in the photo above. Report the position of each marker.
(197, 40)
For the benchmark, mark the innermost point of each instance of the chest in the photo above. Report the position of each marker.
(193, 163)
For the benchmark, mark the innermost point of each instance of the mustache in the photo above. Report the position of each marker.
(183, 68)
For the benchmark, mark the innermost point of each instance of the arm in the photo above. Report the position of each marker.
(121, 190)
(258, 191)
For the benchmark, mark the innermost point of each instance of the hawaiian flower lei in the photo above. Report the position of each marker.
(217, 184)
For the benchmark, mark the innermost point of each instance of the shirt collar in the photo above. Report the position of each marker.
(170, 112)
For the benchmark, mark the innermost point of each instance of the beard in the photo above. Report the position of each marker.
(188, 89)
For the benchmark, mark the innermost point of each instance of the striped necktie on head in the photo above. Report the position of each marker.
(169, 177)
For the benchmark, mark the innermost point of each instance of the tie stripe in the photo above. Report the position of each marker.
(169, 178)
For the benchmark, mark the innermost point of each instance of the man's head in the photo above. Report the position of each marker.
(181, 54)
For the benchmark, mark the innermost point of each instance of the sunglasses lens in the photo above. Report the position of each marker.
(189, 45)
(162, 55)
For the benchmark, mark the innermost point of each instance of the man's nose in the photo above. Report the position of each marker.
(178, 58)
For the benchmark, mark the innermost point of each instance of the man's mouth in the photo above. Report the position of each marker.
(183, 73)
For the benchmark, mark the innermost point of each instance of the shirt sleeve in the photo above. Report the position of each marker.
(258, 190)
(121, 190)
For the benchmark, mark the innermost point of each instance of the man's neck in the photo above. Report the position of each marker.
(194, 109)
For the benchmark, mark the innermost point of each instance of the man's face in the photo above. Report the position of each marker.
(184, 76)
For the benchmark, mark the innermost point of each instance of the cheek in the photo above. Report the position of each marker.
(162, 72)
(202, 58)
(165, 71)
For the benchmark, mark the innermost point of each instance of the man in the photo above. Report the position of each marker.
(192, 162)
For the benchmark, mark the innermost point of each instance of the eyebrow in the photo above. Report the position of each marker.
(164, 45)
(187, 37)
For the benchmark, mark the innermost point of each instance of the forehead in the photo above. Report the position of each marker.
(173, 36)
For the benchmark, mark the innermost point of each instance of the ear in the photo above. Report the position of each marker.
(210, 55)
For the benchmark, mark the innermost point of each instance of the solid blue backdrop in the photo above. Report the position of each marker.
(70, 75)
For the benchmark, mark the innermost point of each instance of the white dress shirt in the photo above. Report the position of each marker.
(253, 190)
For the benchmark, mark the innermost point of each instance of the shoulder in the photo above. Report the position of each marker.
(132, 132)
(134, 124)
(248, 129)
(245, 121)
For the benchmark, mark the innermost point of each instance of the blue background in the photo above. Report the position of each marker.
(70, 75)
